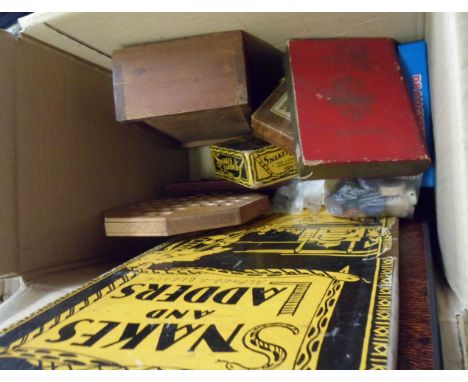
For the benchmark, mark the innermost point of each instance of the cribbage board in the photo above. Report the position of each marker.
(172, 216)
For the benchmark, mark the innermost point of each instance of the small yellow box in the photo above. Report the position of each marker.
(252, 162)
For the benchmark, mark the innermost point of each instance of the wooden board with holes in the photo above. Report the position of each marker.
(172, 216)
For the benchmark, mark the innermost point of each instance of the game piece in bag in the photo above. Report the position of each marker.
(372, 197)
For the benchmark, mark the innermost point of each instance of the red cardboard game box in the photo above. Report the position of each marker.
(351, 112)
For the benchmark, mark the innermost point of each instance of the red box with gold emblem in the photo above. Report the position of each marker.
(351, 111)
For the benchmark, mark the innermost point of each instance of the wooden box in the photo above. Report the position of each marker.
(351, 110)
(198, 90)
(272, 120)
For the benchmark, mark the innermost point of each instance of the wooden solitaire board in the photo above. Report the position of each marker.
(172, 216)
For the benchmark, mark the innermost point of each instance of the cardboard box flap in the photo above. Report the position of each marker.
(448, 56)
(72, 160)
(75, 161)
(93, 36)
(8, 54)
(39, 26)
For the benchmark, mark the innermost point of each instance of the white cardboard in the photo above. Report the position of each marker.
(99, 34)
(447, 35)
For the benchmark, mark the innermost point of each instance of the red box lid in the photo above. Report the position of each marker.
(352, 111)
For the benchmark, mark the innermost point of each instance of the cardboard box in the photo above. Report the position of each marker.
(351, 112)
(64, 160)
(198, 90)
(272, 121)
(305, 291)
(252, 162)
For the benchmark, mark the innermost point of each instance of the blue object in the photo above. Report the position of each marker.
(7, 19)
(413, 58)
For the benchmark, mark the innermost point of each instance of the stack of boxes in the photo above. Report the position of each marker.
(343, 112)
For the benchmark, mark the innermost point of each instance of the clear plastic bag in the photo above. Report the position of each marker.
(297, 195)
(372, 197)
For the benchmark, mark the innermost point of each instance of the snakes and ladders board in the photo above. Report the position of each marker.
(305, 291)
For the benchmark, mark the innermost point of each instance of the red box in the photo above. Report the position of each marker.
(351, 111)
